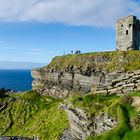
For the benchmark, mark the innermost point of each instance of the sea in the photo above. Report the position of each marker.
(18, 80)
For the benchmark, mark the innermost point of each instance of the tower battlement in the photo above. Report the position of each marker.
(128, 33)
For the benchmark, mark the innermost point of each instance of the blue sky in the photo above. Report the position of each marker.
(39, 42)
(38, 30)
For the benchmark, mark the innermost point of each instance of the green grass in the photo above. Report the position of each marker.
(127, 116)
(135, 93)
(96, 104)
(132, 135)
(110, 61)
(124, 131)
(33, 115)
(117, 133)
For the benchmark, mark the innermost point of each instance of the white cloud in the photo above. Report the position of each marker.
(74, 12)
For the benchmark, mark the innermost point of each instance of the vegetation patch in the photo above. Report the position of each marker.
(119, 107)
(109, 61)
(30, 114)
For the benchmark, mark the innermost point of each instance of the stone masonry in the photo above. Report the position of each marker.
(128, 34)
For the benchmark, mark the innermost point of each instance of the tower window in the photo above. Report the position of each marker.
(122, 25)
(130, 25)
(126, 32)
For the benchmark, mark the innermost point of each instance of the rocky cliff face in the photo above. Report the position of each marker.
(55, 82)
(82, 126)
(108, 72)
(61, 83)
(119, 83)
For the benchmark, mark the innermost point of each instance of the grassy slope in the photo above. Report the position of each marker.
(112, 60)
(127, 116)
(33, 115)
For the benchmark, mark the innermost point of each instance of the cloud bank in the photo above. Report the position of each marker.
(72, 12)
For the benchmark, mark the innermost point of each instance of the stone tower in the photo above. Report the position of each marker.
(128, 34)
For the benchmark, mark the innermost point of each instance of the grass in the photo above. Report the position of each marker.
(122, 132)
(135, 93)
(117, 133)
(127, 116)
(110, 61)
(33, 115)
(96, 104)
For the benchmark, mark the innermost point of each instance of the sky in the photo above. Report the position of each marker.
(38, 30)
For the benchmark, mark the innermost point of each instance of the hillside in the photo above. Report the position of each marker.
(78, 97)
(125, 109)
(29, 114)
(102, 72)
(107, 61)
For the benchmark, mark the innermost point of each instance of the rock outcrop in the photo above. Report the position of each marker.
(82, 126)
(61, 83)
(119, 83)
(103, 72)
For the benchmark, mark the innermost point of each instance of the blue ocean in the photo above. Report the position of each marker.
(19, 80)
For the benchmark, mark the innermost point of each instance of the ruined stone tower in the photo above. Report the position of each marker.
(128, 33)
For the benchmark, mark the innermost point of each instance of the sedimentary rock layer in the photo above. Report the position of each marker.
(82, 126)
(60, 84)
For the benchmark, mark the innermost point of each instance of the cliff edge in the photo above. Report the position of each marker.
(102, 72)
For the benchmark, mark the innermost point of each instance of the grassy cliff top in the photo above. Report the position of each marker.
(109, 61)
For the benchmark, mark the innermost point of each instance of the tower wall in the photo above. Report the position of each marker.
(128, 33)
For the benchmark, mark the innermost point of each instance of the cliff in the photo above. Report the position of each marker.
(31, 116)
(81, 116)
(106, 72)
(82, 125)
(103, 117)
